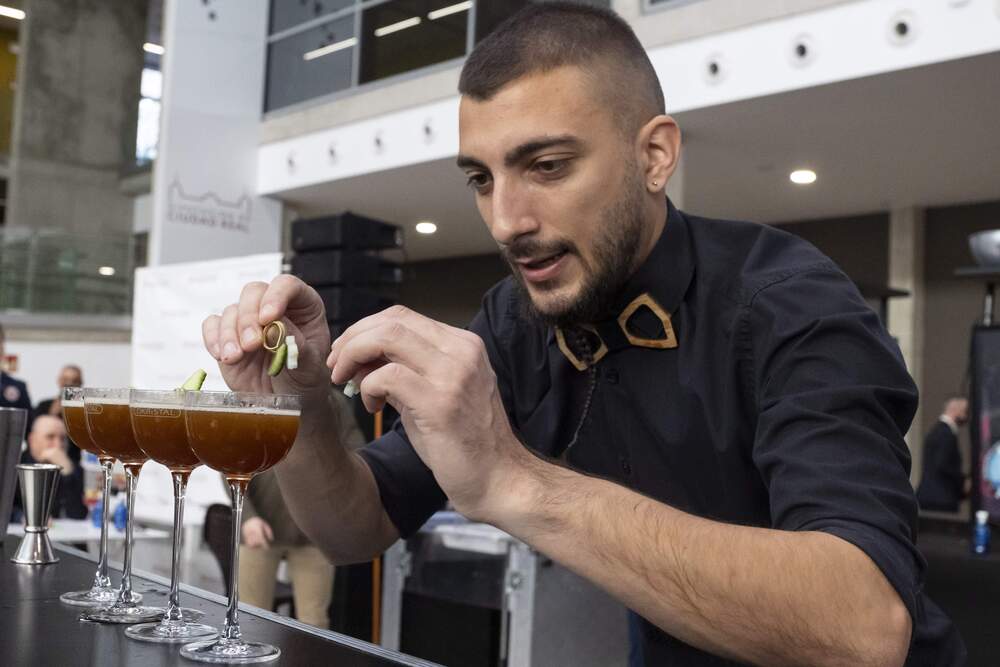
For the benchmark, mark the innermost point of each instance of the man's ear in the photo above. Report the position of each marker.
(659, 146)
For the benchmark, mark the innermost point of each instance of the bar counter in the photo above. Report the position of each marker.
(37, 629)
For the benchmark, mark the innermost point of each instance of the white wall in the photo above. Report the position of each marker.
(103, 364)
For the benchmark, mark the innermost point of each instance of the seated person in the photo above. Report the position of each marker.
(270, 535)
(70, 375)
(47, 443)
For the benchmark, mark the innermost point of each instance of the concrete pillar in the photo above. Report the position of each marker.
(75, 114)
(906, 315)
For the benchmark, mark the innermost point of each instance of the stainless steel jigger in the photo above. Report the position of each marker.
(39, 482)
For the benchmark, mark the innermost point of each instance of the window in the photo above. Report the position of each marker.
(147, 133)
(321, 47)
(310, 64)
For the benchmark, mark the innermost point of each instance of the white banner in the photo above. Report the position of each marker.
(204, 177)
(169, 306)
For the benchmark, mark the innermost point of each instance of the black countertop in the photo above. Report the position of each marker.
(37, 630)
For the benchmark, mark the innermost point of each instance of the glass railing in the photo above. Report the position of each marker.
(55, 271)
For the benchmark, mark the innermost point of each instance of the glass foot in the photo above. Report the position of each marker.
(125, 615)
(230, 652)
(171, 632)
(95, 597)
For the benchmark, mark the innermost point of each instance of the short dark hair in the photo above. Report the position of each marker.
(545, 36)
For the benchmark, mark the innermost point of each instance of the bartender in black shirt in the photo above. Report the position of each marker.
(700, 416)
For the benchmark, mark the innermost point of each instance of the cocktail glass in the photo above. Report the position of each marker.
(239, 435)
(158, 426)
(101, 594)
(110, 428)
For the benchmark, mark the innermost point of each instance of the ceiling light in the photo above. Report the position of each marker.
(11, 13)
(330, 48)
(155, 49)
(396, 27)
(803, 176)
(449, 10)
(426, 227)
(106, 270)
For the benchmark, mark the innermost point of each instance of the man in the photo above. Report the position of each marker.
(47, 444)
(70, 375)
(942, 483)
(270, 535)
(13, 392)
(702, 417)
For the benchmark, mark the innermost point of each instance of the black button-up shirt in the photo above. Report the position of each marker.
(783, 406)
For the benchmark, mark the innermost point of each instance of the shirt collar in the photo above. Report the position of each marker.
(667, 271)
(665, 274)
(950, 422)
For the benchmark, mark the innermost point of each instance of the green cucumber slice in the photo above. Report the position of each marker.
(278, 360)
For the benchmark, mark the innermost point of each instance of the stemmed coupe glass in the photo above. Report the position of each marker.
(101, 594)
(239, 435)
(110, 428)
(158, 426)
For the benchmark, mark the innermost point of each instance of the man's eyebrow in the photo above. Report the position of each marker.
(464, 162)
(516, 155)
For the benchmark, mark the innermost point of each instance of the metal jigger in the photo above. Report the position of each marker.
(39, 482)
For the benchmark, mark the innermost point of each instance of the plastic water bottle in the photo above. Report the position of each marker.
(981, 533)
(97, 513)
(119, 516)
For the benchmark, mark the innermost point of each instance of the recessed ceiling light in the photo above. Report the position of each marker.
(11, 12)
(803, 176)
(155, 49)
(397, 26)
(106, 270)
(426, 227)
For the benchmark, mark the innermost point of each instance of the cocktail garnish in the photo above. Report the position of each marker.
(194, 382)
(278, 360)
(274, 336)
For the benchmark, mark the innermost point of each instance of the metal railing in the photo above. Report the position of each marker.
(55, 271)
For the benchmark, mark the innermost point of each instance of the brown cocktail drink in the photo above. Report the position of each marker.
(160, 432)
(111, 429)
(238, 434)
(241, 442)
(75, 416)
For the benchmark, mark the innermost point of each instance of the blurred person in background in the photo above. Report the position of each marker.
(943, 482)
(13, 392)
(70, 375)
(47, 443)
(271, 535)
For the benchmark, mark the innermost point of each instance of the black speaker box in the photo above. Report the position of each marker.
(346, 230)
(351, 304)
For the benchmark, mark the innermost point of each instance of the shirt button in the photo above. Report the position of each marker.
(626, 466)
(612, 375)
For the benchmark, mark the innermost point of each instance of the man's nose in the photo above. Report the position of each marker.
(512, 214)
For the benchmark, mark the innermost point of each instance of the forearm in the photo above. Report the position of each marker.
(331, 492)
(758, 595)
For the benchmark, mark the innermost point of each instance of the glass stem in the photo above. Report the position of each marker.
(102, 579)
(173, 614)
(125, 593)
(231, 631)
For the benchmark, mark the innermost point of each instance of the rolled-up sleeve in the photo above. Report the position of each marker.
(834, 401)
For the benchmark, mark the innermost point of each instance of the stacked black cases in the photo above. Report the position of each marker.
(340, 257)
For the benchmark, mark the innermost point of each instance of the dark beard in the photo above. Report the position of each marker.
(614, 255)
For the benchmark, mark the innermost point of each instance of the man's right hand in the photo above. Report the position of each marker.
(234, 338)
(257, 533)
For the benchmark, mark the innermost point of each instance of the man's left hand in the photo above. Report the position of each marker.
(440, 380)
